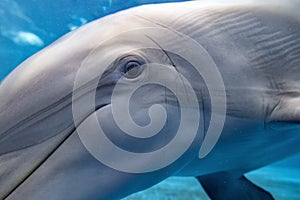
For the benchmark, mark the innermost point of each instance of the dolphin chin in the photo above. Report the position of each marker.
(131, 99)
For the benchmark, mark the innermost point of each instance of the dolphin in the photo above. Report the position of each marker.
(45, 151)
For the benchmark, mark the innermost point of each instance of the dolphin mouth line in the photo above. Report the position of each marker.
(71, 131)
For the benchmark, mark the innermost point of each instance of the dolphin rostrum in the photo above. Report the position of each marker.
(224, 76)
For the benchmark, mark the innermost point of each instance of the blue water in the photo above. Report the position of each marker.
(26, 26)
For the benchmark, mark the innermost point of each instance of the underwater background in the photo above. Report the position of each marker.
(26, 26)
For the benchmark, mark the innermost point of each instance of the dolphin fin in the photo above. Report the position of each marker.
(231, 185)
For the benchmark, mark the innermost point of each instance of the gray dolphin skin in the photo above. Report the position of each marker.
(256, 48)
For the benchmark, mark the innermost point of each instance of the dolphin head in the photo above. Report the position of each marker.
(124, 71)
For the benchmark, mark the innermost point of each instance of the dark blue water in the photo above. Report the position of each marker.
(26, 26)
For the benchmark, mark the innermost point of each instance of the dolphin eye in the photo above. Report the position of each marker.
(132, 69)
